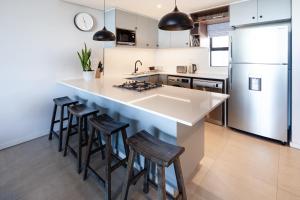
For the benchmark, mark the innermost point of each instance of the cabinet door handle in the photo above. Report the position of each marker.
(260, 16)
(253, 17)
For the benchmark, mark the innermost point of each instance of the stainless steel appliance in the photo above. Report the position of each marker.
(138, 86)
(259, 83)
(192, 69)
(126, 37)
(181, 69)
(179, 81)
(217, 116)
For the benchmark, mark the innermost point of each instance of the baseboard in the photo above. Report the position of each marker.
(295, 145)
(23, 139)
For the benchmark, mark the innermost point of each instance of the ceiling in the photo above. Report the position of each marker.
(152, 8)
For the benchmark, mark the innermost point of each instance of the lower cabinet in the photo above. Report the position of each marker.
(143, 78)
(152, 79)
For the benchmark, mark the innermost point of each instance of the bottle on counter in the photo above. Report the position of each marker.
(99, 70)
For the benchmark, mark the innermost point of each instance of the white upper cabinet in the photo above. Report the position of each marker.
(145, 27)
(153, 33)
(164, 39)
(270, 10)
(243, 13)
(126, 20)
(258, 11)
(147, 32)
(180, 39)
(173, 39)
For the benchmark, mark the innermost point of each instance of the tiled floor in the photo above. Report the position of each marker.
(235, 167)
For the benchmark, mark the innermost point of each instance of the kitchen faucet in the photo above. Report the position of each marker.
(135, 65)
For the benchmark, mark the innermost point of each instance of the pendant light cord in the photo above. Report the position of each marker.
(104, 11)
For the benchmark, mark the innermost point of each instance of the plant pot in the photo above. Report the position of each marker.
(88, 75)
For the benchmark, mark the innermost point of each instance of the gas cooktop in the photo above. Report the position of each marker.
(139, 86)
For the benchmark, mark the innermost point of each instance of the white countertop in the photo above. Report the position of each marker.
(197, 75)
(182, 105)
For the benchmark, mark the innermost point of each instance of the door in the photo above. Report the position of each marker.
(126, 20)
(244, 12)
(153, 33)
(258, 100)
(142, 32)
(263, 44)
(268, 10)
(164, 39)
(180, 39)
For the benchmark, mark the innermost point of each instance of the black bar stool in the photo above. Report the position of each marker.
(81, 112)
(61, 102)
(108, 127)
(160, 153)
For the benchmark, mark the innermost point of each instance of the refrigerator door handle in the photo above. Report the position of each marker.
(230, 76)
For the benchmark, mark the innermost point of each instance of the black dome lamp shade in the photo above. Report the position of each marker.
(104, 34)
(176, 21)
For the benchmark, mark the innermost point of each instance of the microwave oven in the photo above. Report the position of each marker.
(126, 37)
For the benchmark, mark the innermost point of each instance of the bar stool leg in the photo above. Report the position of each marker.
(61, 125)
(80, 120)
(86, 129)
(124, 137)
(161, 183)
(52, 122)
(128, 175)
(108, 168)
(88, 153)
(146, 175)
(101, 146)
(179, 178)
(68, 133)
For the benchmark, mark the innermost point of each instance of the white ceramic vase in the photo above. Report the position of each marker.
(88, 75)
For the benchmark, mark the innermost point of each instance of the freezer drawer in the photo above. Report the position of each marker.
(258, 100)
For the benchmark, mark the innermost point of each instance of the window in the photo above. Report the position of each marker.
(219, 51)
(219, 44)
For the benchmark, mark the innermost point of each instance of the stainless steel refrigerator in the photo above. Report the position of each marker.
(259, 80)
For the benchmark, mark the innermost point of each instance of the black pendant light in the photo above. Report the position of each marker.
(176, 21)
(104, 34)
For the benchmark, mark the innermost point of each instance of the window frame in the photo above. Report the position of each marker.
(211, 49)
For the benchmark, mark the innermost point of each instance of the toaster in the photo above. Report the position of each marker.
(181, 69)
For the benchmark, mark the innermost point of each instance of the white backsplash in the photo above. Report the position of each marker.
(119, 61)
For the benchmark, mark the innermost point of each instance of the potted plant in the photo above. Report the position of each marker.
(85, 60)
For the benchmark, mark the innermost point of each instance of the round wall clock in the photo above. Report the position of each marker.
(84, 21)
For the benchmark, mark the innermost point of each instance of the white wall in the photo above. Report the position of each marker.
(170, 58)
(296, 75)
(119, 61)
(38, 46)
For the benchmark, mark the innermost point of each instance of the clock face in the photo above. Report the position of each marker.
(84, 21)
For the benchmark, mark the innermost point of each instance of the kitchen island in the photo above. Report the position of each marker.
(174, 115)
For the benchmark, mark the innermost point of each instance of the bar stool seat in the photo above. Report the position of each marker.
(108, 127)
(61, 102)
(81, 112)
(64, 101)
(107, 124)
(160, 153)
